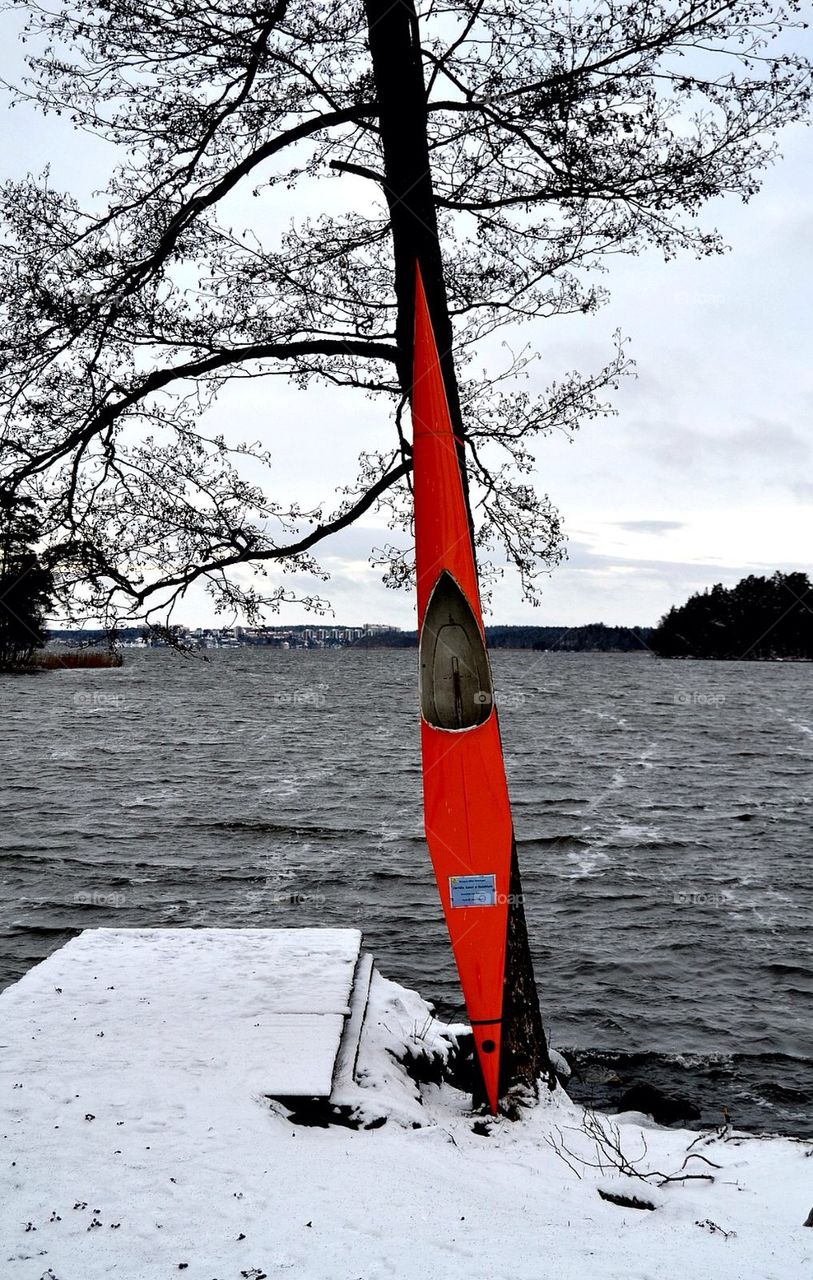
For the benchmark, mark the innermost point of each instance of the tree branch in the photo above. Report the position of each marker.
(347, 517)
(161, 378)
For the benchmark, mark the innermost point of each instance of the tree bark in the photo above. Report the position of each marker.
(401, 93)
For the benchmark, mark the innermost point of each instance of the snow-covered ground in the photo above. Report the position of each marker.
(134, 1160)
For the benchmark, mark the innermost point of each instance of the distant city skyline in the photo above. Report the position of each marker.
(594, 636)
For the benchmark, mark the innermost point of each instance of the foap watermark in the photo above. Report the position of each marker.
(95, 700)
(699, 298)
(92, 898)
(311, 695)
(507, 700)
(296, 898)
(701, 898)
(280, 890)
(692, 698)
(510, 699)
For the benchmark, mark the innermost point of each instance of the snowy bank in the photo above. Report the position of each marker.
(145, 1147)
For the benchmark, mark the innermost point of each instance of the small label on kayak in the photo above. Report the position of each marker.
(473, 891)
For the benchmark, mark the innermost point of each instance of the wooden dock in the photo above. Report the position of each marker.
(259, 1010)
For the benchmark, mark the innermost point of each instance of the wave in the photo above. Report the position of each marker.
(268, 827)
(45, 930)
(783, 970)
(757, 1092)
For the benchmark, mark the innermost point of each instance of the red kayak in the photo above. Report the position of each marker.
(466, 808)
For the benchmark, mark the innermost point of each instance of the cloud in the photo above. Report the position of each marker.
(582, 557)
(649, 526)
(686, 448)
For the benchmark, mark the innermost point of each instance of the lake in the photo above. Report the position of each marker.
(662, 810)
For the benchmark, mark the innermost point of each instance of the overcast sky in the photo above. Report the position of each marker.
(706, 474)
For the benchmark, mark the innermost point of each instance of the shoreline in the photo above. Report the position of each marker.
(146, 1146)
(54, 660)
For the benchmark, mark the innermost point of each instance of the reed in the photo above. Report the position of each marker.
(75, 661)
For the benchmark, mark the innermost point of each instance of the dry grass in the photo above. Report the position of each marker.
(76, 661)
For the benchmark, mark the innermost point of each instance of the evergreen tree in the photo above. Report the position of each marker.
(759, 618)
(26, 585)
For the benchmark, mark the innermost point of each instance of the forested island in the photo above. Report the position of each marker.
(762, 619)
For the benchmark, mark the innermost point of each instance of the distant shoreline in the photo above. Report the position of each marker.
(589, 638)
(593, 638)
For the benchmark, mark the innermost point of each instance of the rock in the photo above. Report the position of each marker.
(461, 1069)
(808, 1222)
(651, 1101)
(560, 1065)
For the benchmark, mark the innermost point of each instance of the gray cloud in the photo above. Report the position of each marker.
(581, 556)
(649, 526)
(687, 448)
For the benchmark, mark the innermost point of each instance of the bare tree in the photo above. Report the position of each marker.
(510, 148)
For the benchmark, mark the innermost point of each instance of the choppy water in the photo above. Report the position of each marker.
(663, 813)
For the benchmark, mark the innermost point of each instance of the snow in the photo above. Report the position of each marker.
(263, 1009)
(189, 1170)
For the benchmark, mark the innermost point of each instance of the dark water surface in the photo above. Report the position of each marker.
(663, 813)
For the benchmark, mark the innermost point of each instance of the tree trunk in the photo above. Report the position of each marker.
(401, 92)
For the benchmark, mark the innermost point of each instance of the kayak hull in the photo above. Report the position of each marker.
(467, 814)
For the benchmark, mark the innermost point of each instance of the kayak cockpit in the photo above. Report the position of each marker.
(456, 687)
